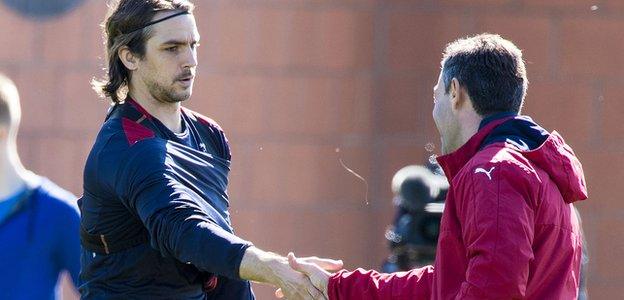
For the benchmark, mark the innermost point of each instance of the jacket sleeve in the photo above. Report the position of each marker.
(177, 224)
(497, 230)
(368, 285)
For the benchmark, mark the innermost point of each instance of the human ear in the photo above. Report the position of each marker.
(128, 58)
(456, 94)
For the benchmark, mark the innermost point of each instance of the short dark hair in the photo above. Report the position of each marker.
(491, 69)
(118, 29)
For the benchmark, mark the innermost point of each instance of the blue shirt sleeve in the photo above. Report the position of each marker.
(67, 217)
(177, 224)
(70, 248)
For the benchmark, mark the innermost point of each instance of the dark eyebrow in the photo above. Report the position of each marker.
(178, 42)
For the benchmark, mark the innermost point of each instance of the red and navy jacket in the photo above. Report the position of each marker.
(508, 231)
(155, 221)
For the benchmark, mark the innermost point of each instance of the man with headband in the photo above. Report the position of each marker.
(155, 221)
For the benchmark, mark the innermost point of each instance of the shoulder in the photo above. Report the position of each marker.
(500, 163)
(203, 120)
(55, 198)
(120, 142)
(126, 131)
(211, 133)
(498, 173)
(119, 136)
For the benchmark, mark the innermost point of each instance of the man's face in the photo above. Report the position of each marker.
(168, 68)
(444, 117)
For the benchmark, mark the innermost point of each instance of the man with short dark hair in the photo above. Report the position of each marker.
(38, 220)
(155, 220)
(509, 230)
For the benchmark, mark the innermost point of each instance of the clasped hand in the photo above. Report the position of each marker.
(308, 279)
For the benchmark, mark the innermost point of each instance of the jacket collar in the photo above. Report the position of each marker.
(453, 162)
(495, 117)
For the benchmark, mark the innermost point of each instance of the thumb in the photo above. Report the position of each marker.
(294, 264)
(304, 267)
(316, 274)
(297, 265)
(325, 263)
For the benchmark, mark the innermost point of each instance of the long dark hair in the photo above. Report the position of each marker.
(123, 18)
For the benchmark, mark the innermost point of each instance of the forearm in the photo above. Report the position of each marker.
(209, 247)
(203, 244)
(261, 266)
(180, 227)
(266, 267)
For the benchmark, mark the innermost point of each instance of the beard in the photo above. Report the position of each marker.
(167, 94)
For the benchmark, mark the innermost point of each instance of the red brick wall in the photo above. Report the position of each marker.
(299, 85)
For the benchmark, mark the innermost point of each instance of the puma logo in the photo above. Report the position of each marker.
(482, 170)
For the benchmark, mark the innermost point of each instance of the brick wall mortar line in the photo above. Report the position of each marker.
(554, 47)
(380, 49)
(328, 5)
(597, 133)
(521, 11)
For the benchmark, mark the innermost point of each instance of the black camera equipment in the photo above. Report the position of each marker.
(419, 194)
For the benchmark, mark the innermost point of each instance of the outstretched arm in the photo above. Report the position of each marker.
(361, 284)
(180, 227)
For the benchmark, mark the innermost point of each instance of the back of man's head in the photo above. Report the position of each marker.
(491, 69)
(126, 25)
(9, 103)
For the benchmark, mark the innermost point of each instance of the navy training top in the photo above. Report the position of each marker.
(141, 178)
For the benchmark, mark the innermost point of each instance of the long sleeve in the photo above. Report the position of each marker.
(371, 285)
(175, 216)
(497, 230)
(68, 251)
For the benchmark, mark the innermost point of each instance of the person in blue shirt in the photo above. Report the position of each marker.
(155, 221)
(39, 221)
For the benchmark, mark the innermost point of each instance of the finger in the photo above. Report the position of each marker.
(294, 263)
(279, 294)
(325, 263)
(304, 267)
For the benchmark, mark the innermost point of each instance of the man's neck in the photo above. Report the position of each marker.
(13, 175)
(167, 113)
(469, 127)
(468, 130)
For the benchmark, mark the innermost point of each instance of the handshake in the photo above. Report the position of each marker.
(296, 278)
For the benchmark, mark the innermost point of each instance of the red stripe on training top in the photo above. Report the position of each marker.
(135, 132)
(203, 119)
(139, 108)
